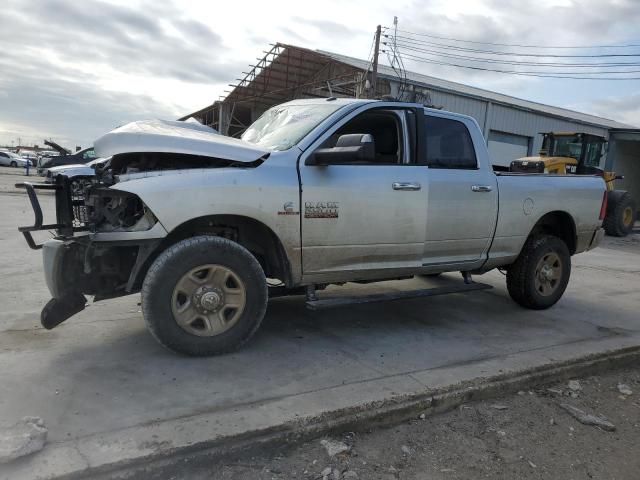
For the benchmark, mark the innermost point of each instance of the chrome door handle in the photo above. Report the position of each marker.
(406, 186)
(480, 188)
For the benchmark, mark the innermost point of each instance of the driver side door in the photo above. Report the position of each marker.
(366, 219)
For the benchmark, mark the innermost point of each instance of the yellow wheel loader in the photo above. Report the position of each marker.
(567, 153)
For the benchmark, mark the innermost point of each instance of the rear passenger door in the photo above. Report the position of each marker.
(463, 197)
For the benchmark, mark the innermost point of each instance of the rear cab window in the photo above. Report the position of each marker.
(448, 144)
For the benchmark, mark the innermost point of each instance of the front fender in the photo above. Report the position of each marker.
(257, 193)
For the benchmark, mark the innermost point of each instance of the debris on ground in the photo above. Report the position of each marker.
(406, 450)
(624, 389)
(334, 447)
(499, 407)
(532, 439)
(588, 419)
(574, 385)
(25, 437)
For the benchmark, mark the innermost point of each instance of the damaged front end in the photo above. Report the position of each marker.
(103, 238)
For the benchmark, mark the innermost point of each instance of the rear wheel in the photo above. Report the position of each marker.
(204, 296)
(13, 164)
(540, 275)
(621, 213)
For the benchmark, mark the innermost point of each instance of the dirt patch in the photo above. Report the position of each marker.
(525, 436)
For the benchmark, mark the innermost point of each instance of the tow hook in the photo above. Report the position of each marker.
(57, 310)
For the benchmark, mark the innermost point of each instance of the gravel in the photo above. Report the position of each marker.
(533, 438)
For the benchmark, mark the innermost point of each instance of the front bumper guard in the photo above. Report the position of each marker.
(64, 211)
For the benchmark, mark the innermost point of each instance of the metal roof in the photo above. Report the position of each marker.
(478, 93)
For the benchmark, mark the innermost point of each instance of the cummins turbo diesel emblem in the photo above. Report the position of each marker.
(288, 209)
(321, 209)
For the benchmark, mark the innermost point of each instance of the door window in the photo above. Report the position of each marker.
(449, 144)
(385, 127)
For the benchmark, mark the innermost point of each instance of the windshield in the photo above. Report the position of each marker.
(568, 147)
(280, 128)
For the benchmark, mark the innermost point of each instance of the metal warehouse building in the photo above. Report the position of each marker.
(511, 125)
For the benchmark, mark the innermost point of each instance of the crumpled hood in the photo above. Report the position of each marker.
(175, 137)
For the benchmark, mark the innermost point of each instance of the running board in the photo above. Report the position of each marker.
(322, 303)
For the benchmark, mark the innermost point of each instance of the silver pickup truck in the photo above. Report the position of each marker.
(316, 192)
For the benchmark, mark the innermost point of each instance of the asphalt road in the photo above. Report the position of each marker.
(101, 372)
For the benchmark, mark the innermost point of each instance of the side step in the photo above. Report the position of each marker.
(322, 303)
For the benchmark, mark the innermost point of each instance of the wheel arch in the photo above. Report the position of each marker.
(559, 224)
(252, 234)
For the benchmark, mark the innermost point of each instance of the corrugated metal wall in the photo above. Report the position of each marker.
(530, 124)
(459, 104)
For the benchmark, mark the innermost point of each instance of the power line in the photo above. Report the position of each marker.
(514, 62)
(515, 44)
(515, 72)
(517, 54)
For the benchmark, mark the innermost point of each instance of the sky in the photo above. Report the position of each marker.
(73, 70)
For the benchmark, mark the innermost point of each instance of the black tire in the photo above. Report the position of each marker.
(13, 164)
(172, 265)
(523, 275)
(621, 213)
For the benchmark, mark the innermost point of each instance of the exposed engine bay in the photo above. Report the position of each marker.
(102, 209)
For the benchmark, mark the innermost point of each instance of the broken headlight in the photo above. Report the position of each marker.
(117, 211)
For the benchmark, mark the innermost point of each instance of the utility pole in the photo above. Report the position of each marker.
(374, 72)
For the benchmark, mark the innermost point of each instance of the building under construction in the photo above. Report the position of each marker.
(511, 125)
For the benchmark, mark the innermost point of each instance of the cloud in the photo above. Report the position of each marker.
(327, 27)
(56, 55)
(625, 109)
(518, 23)
(75, 69)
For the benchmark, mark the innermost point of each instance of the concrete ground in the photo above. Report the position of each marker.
(108, 392)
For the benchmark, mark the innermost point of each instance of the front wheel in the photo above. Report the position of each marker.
(540, 275)
(204, 296)
(13, 164)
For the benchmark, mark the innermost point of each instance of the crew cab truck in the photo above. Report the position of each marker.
(316, 192)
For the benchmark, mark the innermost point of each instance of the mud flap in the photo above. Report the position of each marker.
(57, 310)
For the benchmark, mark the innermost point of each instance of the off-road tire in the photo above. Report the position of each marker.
(172, 264)
(521, 274)
(619, 202)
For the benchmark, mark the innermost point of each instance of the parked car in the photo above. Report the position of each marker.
(11, 159)
(76, 170)
(81, 157)
(31, 156)
(316, 192)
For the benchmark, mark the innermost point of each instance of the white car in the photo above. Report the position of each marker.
(10, 159)
(74, 170)
(32, 157)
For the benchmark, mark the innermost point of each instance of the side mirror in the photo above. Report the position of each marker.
(355, 147)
